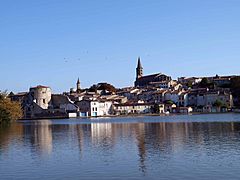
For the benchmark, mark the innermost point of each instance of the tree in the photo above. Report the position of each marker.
(155, 108)
(189, 84)
(169, 102)
(204, 83)
(218, 103)
(4, 115)
(105, 87)
(235, 89)
(9, 111)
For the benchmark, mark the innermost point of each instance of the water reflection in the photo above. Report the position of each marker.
(102, 135)
(8, 134)
(154, 142)
(39, 134)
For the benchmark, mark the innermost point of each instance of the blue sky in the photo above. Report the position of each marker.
(53, 42)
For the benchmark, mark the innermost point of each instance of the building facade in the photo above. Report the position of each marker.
(149, 80)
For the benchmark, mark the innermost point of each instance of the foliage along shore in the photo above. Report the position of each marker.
(9, 110)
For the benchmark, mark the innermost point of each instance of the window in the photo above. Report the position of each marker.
(95, 108)
(44, 101)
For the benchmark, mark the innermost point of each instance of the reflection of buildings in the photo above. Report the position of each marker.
(44, 136)
(40, 133)
(80, 137)
(146, 141)
(102, 134)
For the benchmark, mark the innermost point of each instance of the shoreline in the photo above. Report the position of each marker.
(129, 115)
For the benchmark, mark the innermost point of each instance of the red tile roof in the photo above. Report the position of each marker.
(40, 86)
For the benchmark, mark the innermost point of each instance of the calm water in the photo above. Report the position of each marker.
(173, 147)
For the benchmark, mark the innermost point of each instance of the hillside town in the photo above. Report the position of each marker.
(151, 94)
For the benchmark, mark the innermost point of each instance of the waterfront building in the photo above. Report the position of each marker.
(38, 101)
(205, 99)
(63, 103)
(133, 108)
(94, 107)
(41, 96)
(225, 97)
(183, 110)
(168, 107)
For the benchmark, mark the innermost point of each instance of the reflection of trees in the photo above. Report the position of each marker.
(8, 133)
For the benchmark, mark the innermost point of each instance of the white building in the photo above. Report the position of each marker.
(183, 99)
(189, 80)
(172, 96)
(94, 108)
(133, 108)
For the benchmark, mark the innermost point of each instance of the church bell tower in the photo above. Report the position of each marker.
(139, 69)
(78, 86)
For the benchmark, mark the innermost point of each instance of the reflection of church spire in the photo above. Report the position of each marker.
(141, 146)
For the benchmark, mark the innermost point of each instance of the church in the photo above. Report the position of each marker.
(149, 80)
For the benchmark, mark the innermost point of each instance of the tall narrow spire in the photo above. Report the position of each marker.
(139, 65)
(78, 85)
(139, 69)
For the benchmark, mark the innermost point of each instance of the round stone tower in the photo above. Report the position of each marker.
(41, 95)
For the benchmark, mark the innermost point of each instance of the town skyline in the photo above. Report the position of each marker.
(55, 43)
(128, 89)
(77, 79)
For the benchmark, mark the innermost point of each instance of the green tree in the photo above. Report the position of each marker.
(218, 103)
(9, 111)
(205, 83)
(169, 102)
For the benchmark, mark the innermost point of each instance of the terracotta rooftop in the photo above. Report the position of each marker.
(40, 86)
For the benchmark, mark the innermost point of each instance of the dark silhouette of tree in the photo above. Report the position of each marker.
(205, 83)
(235, 89)
(218, 103)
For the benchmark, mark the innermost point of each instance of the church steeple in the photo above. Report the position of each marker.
(139, 69)
(78, 85)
